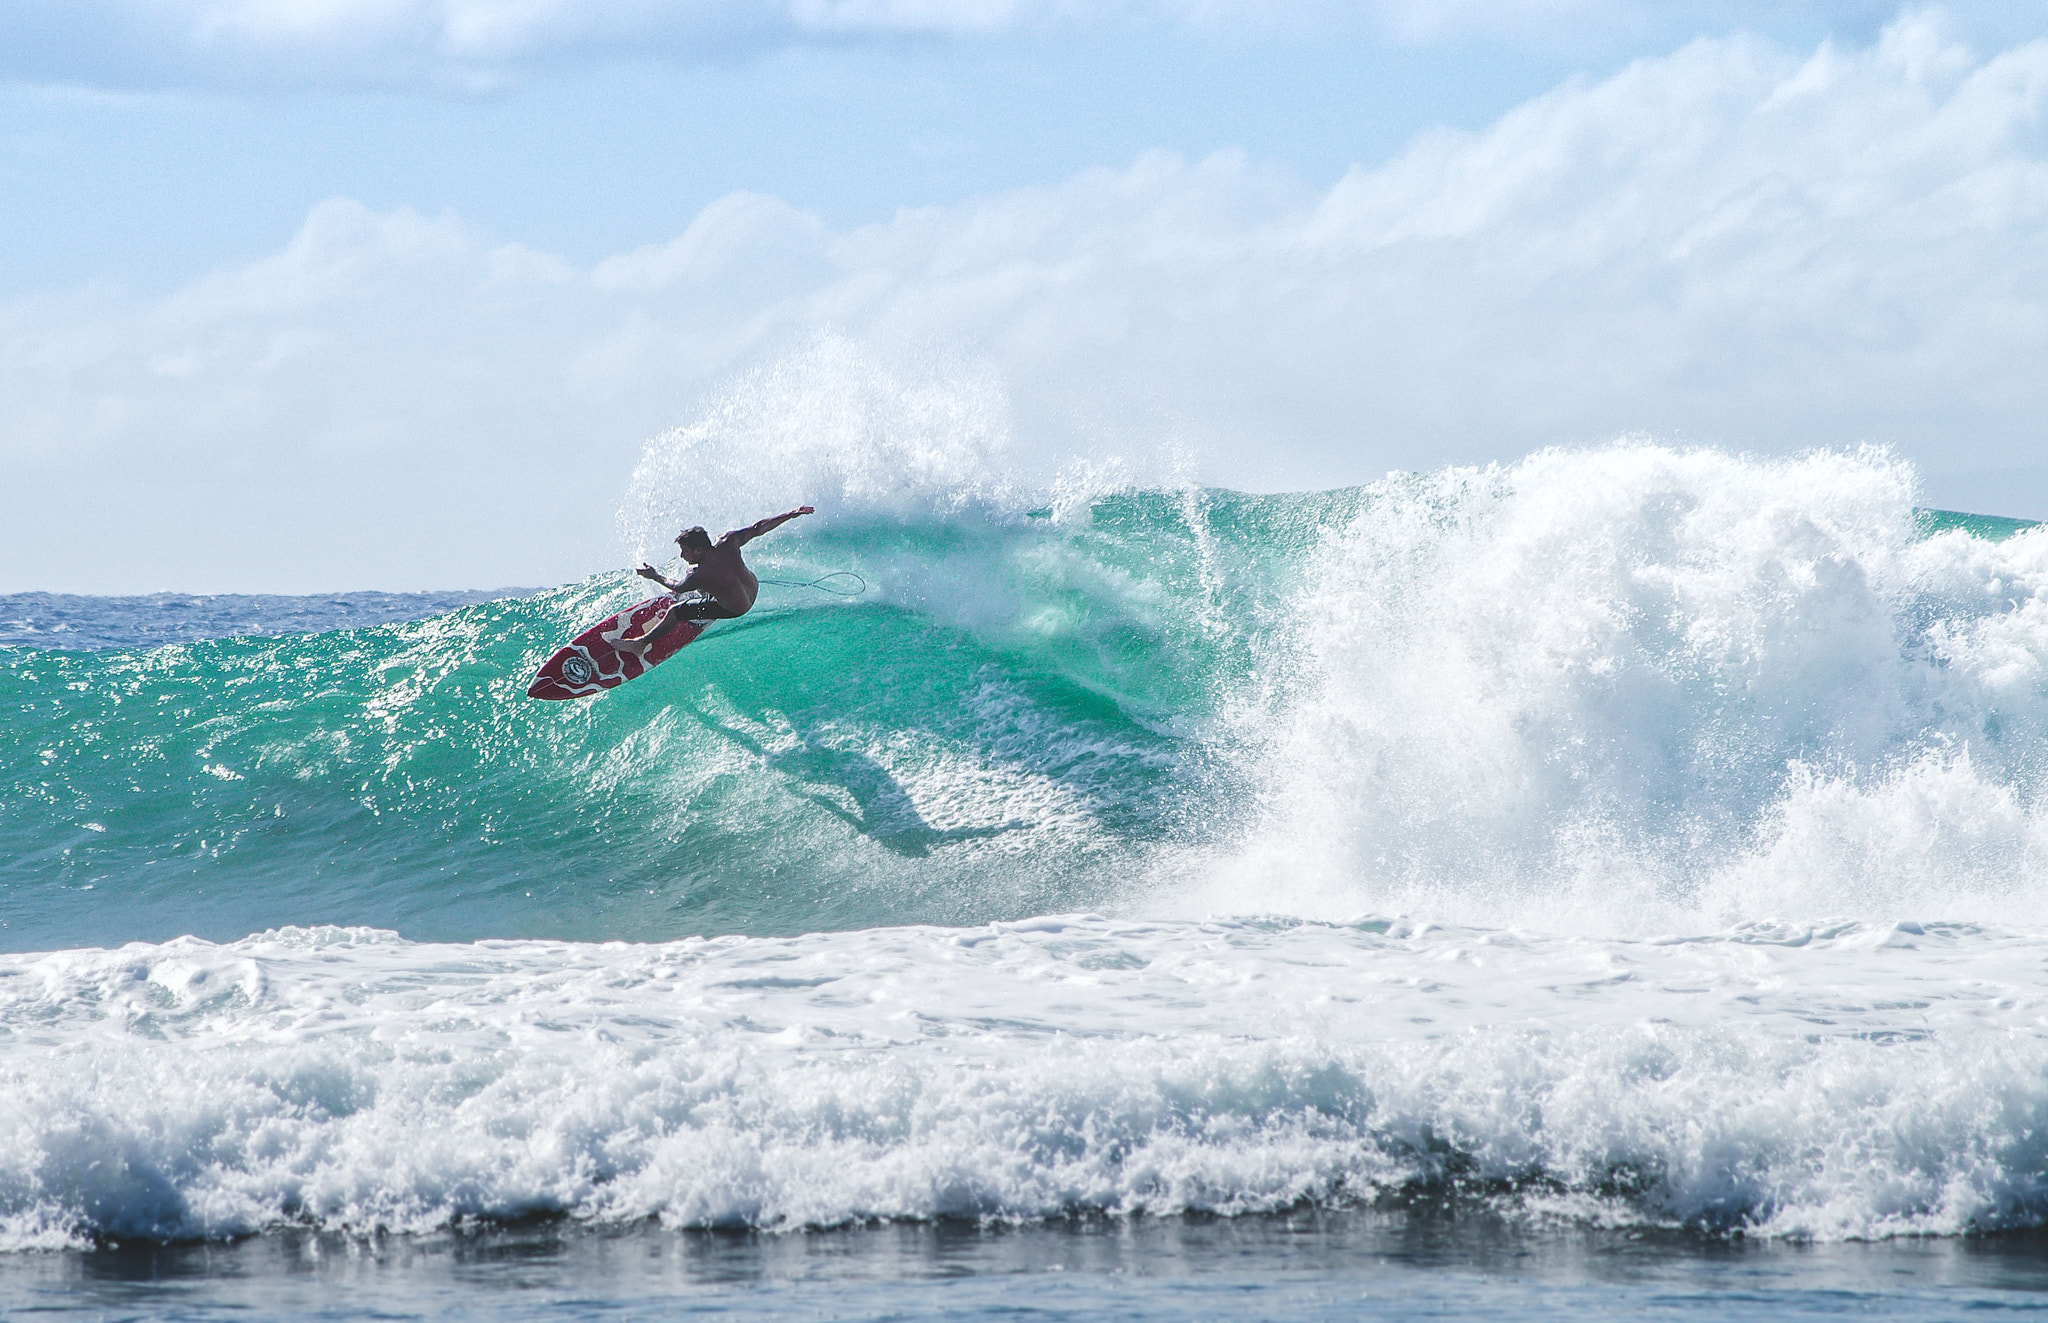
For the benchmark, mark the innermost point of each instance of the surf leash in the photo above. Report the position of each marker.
(825, 583)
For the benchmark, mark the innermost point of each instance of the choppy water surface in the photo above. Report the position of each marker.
(1309, 1265)
(74, 621)
(1619, 874)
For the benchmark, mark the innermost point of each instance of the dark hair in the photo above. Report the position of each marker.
(694, 537)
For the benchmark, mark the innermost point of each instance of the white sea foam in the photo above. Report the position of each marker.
(1853, 1081)
(1633, 687)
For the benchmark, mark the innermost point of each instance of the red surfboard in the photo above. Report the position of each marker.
(610, 652)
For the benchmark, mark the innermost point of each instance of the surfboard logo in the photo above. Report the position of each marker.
(578, 670)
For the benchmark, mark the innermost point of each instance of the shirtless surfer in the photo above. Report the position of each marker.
(725, 584)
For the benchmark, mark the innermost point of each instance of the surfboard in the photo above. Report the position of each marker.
(606, 655)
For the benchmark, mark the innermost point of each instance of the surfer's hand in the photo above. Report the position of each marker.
(803, 509)
(647, 571)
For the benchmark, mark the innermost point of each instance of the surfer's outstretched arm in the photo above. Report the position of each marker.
(739, 537)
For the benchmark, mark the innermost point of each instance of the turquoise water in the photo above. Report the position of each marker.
(771, 782)
(1623, 856)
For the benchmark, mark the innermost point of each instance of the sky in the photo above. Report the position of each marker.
(319, 295)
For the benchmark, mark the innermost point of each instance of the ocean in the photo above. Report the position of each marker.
(1606, 884)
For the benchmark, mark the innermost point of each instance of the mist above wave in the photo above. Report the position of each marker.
(834, 428)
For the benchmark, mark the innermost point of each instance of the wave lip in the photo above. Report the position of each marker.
(1841, 1082)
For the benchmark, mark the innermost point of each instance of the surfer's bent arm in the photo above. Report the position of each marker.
(739, 537)
(681, 585)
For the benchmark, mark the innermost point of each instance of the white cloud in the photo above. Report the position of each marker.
(1730, 244)
(478, 45)
(470, 45)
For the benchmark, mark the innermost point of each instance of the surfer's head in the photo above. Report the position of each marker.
(693, 543)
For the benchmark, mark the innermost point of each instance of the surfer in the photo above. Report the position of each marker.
(723, 587)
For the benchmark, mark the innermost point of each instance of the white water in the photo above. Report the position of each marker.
(1635, 688)
(1847, 1082)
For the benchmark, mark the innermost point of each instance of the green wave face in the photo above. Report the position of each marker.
(1001, 727)
(1991, 528)
(1717, 686)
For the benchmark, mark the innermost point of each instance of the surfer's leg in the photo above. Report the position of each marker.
(668, 621)
(676, 615)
